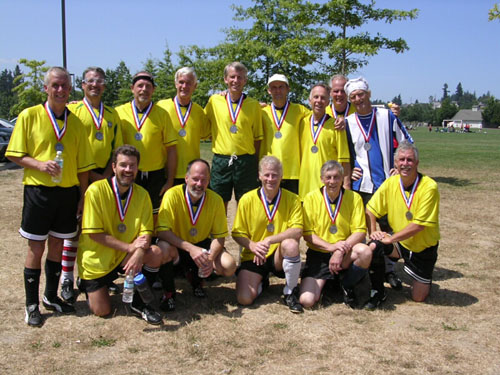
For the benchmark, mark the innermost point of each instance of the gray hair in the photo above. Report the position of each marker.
(271, 161)
(185, 71)
(57, 70)
(236, 65)
(405, 146)
(338, 77)
(320, 84)
(96, 69)
(331, 165)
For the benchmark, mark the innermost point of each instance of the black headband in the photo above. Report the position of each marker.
(143, 76)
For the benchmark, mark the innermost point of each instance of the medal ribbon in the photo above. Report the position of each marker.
(333, 214)
(370, 129)
(234, 114)
(182, 119)
(97, 120)
(279, 122)
(139, 123)
(314, 134)
(59, 132)
(270, 214)
(194, 216)
(346, 113)
(122, 209)
(409, 200)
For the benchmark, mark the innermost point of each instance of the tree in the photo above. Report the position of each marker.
(118, 83)
(8, 97)
(447, 111)
(346, 43)
(491, 113)
(29, 87)
(164, 73)
(445, 91)
(494, 13)
(459, 93)
(397, 100)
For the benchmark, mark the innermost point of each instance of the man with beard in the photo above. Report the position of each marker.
(117, 226)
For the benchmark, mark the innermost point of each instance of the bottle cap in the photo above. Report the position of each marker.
(139, 279)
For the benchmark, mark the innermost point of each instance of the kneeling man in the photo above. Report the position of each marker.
(268, 226)
(192, 219)
(117, 226)
(334, 227)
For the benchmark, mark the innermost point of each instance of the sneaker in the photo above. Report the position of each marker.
(33, 317)
(147, 313)
(167, 303)
(113, 288)
(292, 302)
(376, 298)
(393, 280)
(349, 297)
(199, 292)
(67, 292)
(58, 305)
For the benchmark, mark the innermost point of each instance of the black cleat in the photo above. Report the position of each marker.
(33, 317)
(67, 292)
(349, 297)
(167, 303)
(292, 302)
(147, 313)
(113, 288)
(58, 305)
(393, 280)
(376, 298)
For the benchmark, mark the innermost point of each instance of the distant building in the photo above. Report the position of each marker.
(471, 117)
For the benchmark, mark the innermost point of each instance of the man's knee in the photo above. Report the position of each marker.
(246, 297)
(290, 247)
(420, 291)
(362, 255)
(308, 299)
(155, 256)
(228, 264)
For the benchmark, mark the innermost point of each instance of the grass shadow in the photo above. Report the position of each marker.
(440, 274)
(454, 181)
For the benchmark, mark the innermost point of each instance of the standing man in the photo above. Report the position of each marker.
(50, 208)
(411, 202)
(268, 226)
(236, 127)
(320, 142)
(192, 227)
(334, 226)
(188, 119)
(148, 128)
(281, 123)
(340, 106)
(372, 134)
(116, 235)
(104, 133)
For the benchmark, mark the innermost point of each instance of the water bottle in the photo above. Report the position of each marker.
(128, 288)
(143, 288)
(60, 161)
(203, 272)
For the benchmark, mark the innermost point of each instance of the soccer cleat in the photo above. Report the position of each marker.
(393, 280)
(349, 297)
(147, 313)
(113, 288)
(33, 317)
(58, 305)
(292, 302)
(67, 292)
(199, 292)
(376, 298)
(167, 303)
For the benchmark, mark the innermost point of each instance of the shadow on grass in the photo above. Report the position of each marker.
(9, 165)
(453, 181)
(445, 274)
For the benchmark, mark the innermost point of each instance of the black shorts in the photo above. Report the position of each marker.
(241, 175)
(419, 265)
(152, 181)
(185, 260)
(291, 185)
(263, 270)
(49, 210)
(317, 265)
(383, 222)
(89, 286)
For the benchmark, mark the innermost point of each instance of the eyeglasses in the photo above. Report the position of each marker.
(99, 81)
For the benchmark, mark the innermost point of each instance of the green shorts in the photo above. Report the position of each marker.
(238, 173)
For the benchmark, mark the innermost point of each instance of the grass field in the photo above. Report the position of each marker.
(455, 332)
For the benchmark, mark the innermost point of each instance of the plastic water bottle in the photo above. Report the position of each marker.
(143, 288)
(59, 160)
(128, 288)
(202, 272)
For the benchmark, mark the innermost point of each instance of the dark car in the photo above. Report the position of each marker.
(6, 128)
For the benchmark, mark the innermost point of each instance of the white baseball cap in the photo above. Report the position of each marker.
(279, 78)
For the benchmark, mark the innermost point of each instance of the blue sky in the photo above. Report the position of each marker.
(451, 41)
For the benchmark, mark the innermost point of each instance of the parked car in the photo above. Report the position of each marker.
(6, 128)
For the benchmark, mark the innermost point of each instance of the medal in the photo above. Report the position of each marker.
(332, 214)
(58, 132)
(314, 149)
(278, 135)
(366, 146)
(236, 112)
(182, 119)
(139, 123)
(193, 216)
(315, 134)
(121, 208)
(96, 119)
(408, 201)
(278, 121)
(233, 129)
(270, 214)
(138, 136)
(99, 136)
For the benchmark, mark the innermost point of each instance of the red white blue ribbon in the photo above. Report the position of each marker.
(139, 123)
(346, 113)
(315, 134)
(333, 214)
(370, 129)
(409, 200)
(236, 112)
(122, 209)
(52, 117)
(182, 119)
(97, 120)
(192, 215)
(270, 213)
(279, 121)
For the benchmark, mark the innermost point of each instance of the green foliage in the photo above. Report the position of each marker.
(7, 95)
(418, 112)
(491, 113)
(102, 341)
(118, 85)
(447, 111)
(397, 100)
(29, 86)
(445, 91)
(494, 13)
